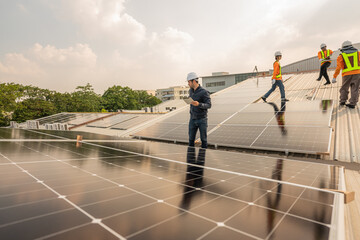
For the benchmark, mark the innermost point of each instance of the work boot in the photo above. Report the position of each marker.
(318, 79)
(264, 99)
(326, 83)
(342, 103)
(350, 106)
(285, 100)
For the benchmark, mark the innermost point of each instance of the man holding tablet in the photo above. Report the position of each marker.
(198, 110)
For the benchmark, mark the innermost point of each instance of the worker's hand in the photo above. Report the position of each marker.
(334, 80)
(195, 103)
(273, 81)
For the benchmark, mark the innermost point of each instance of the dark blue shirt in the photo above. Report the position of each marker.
(203, 97)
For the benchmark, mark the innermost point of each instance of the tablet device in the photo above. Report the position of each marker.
(188, 100)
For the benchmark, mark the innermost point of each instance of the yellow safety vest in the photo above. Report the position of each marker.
(348, 67)
(323, 55)
(279, 75)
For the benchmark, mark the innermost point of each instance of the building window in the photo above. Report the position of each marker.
(215, 84)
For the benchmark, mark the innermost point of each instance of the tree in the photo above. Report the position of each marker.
(9, 94)
(146, 100)
(84, 99)
(33, 108)
(117, 97)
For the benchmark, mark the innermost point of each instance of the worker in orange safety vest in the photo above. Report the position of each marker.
(276, 79)
(349, 62)
(324, 58)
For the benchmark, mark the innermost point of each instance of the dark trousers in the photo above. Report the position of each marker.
(352, 82)
(323, 71)
(280, 84)
(194, 125)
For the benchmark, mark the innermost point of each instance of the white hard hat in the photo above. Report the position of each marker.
(278, 53)
(346, 43)
(322, 45)
(192, 76)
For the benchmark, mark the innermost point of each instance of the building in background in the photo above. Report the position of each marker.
(221, 80)
(172, 93)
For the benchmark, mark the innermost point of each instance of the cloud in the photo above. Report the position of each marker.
(22, 8)
(16, 64)
(51, 67)
(104, 19)
(173, 43)
(81, 55)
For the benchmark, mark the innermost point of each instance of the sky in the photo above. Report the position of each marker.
(151, 44)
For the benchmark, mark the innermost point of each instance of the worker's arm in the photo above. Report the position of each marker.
(206, 104)
(340, 65)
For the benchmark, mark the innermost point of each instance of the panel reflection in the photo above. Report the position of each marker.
(194, 175)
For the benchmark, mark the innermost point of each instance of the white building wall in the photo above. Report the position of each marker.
(209, 83)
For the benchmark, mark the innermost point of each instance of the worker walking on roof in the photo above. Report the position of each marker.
(198, 110)
(324, 57)
(276, 79)
(349, 62)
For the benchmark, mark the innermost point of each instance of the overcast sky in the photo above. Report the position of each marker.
(149, 44)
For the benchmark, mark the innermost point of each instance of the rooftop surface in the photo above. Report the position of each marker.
(108, 188)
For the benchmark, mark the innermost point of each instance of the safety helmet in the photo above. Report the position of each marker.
(278, 53)
(346, 43)
(192, 76)
(322, 45)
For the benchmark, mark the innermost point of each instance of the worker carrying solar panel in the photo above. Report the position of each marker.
(276, 79)
(348, 61)
(198, 110)
(324, 57)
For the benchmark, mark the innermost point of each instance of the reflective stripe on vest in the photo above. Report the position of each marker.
(348, 67)
(279, 75)
(323, 55)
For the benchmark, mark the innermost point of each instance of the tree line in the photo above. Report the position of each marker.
(20, 103)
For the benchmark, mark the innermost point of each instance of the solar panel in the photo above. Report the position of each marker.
(110, 121)
(229, 135)
(294, 138)
(135, 121)
(147, 190)
(308, 106)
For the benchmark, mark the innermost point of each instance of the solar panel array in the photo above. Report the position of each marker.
(111, 121)
(71, 118)
(293, 127)
(136, 120)
(233, 121)
(55, 189)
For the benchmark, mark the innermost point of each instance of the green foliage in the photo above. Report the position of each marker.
(117, 97)
(84, 99)
(33, 108)
(20, 103)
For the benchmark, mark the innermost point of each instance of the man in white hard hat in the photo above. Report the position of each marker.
(198, 110)
(349, 62)
(324, 57)
(276, 79)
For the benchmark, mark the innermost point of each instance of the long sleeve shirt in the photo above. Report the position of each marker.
(203, 97)
(341, 65)
(276, 71)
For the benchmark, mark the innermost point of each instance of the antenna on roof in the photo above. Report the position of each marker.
(257, 75)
